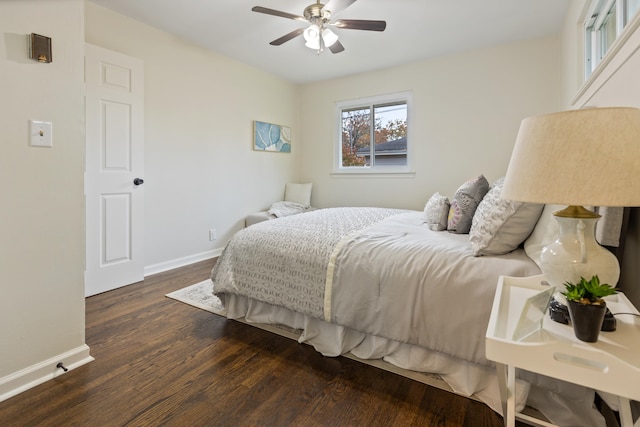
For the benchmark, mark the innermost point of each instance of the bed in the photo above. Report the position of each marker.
(387, 284)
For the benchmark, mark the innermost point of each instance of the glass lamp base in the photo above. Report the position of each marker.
(576, 254)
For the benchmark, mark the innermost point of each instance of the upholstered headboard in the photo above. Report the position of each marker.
(612, 228)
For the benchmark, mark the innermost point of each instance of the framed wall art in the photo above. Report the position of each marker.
(270, 137)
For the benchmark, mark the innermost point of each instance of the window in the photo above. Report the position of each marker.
(633, 7)
(603, 26)
(373, 135)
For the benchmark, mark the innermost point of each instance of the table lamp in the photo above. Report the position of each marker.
(588, 157)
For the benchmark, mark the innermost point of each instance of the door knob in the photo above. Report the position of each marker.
(138, 181)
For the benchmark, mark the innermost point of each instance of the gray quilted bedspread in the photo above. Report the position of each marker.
(284, 261)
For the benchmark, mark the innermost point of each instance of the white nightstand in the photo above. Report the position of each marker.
(611, 365)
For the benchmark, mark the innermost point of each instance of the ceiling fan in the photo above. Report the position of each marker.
(318, 35)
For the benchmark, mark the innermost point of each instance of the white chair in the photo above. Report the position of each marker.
(296, 193)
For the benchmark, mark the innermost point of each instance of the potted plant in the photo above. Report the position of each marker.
(587, 306)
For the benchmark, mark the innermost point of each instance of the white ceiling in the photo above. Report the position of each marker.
(416, 29)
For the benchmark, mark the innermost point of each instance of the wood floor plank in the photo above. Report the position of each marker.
(163, 362)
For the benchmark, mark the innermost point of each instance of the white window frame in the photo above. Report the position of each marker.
(622, 49)
(595, 40)
(385, 170)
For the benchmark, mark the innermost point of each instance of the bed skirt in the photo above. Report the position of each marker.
(562, 403)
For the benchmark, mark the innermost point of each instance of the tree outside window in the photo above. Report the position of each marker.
(374, 135)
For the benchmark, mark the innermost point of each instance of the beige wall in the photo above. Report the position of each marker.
(200, 169)
(572, 52)
(42, 209)
(613, 84)
(466, 113)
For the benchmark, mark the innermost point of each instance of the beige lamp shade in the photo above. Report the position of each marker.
(587, 157)
(578, 158)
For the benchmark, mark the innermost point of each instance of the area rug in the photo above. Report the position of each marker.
(200, 295)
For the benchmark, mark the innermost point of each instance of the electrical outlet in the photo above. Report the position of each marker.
(212, 234)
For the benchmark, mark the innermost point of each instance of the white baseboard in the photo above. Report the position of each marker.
(181, 262)
(41, 372)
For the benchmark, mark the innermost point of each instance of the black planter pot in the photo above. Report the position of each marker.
(586, 320)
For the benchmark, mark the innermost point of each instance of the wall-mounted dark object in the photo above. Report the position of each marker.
(40, 48)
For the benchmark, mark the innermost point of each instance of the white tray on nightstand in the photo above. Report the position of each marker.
(612, 364)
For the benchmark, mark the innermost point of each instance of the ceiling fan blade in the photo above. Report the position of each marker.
(361, 24)
(274, 12)
(336, 47)
(335, 6)
(287, 37)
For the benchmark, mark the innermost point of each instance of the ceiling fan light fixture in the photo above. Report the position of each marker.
(329, 37)
(312, 33)
(317, 35)
(313, 44)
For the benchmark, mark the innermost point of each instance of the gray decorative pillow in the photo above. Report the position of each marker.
(464, 204)
(436, 212)
(501, 225)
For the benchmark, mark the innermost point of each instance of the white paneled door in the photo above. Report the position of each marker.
(114, 181)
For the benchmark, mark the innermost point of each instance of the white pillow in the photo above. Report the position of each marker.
(436, 212)
(298, 193)
(499, 225)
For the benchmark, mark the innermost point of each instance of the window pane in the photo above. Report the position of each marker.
(608, 31)
(356, 137)
(390, 134)
(632, 8)
(372, 135)
(589, 60)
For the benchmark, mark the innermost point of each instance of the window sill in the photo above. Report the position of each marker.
(372, 174)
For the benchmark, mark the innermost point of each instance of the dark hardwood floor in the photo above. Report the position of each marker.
(162, 362)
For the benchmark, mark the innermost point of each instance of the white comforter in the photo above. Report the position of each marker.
(402, 281)
(379, 271)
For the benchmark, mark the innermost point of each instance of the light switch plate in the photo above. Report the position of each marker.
(40, 134)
